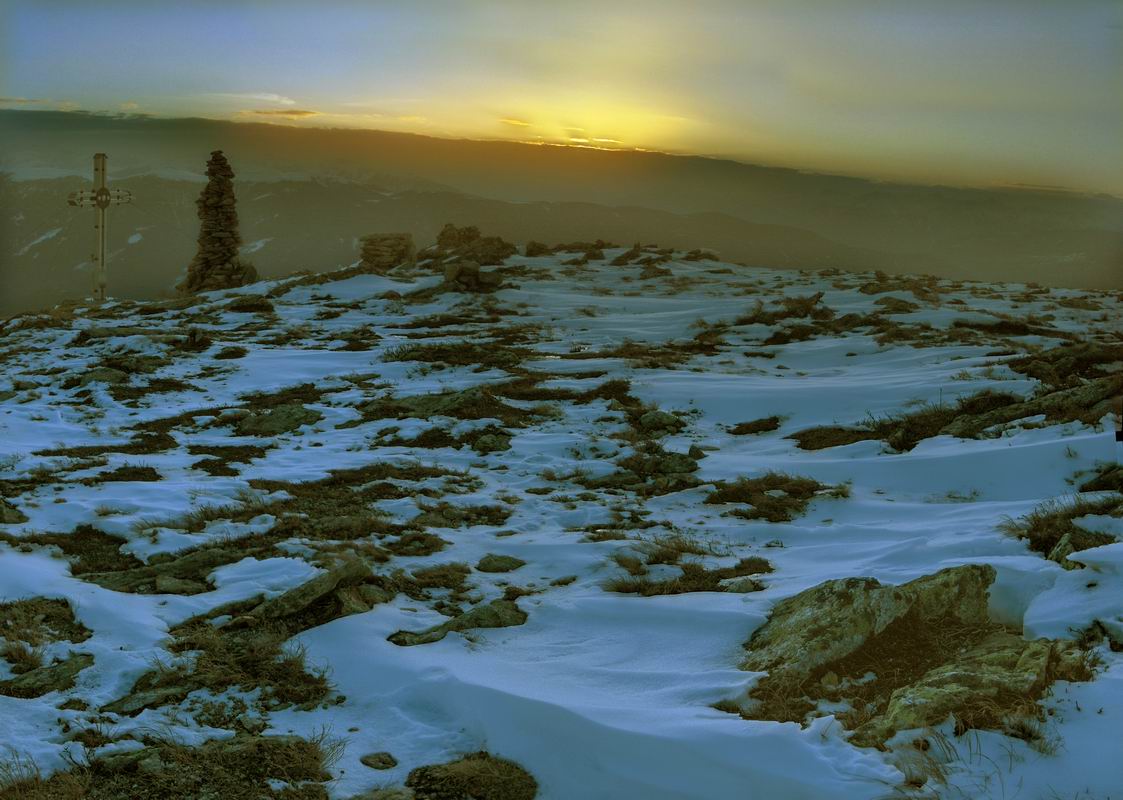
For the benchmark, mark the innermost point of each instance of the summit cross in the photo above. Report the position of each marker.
(100, 197)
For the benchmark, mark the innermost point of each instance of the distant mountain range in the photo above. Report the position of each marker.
(305, 195)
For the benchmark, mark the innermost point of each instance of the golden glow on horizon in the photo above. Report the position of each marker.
(968, 93)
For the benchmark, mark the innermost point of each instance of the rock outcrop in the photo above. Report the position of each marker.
(216, 264)
(466, 275)
(903, 657)
(467, 244)
(381, 252)
(496, 614)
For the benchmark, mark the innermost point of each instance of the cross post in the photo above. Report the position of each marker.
(100, 197)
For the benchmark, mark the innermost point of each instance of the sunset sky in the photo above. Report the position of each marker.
(985, 92)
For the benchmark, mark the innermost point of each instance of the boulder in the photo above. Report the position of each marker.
(832, 620)
(1002, 668)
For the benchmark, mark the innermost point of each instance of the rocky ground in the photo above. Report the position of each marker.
(599, 522)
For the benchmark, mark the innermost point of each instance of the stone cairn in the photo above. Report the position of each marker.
(384, 251)
(460, 252)
(216, 264)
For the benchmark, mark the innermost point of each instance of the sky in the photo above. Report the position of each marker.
(980, 92)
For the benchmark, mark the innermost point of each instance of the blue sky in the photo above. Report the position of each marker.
(986, 92)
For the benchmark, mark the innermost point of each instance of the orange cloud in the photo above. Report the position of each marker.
(291, 113)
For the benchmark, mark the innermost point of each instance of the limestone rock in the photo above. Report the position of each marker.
(280, 419)
(491, 443)
(251, 724)
(348, 573)
(169, 584)
(382, 760)
(103, 375)
(496, 563)
(660, 422)
(496, 614)
(832, 620)
(52, 678)
(132, 704)
(1002, 667)
(10, 515)
(178, 575)
(1074, 542)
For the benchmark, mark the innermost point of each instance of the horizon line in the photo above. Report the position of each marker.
(981, 186)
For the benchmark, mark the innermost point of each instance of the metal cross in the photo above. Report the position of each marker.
(100, 198)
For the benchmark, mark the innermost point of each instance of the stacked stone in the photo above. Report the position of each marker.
(466, 276)
(467, 244)
(384, 251)
(216, 264)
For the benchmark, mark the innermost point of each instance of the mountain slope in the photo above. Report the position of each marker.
(546, 523)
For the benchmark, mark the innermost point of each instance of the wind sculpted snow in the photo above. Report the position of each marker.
(544, 523)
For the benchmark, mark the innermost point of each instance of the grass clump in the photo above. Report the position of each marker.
(242, 768)
(460, 354)
(448, 515)
(86, 548)
(903, 432)
(39, 620)
(248, 660)
(129, 472)
(693, 578)
(774, 496)
(1069, 364)
(763, 425)
(474, 403)
(250, 304)
(477, 776)
(1049, 529)
(452, 576)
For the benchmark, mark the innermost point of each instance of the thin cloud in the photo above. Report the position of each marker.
(262, 97)
(22, 101)
(518, 123)
(129, 106)
(292, 113)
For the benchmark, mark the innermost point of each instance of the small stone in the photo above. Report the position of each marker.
(103, 375)
(169, 584)
(233, 414)
(251, 724)
(382, 760)
(497, 563)
(743, 585)
(10, 515)
(654, 421)
(281, 419)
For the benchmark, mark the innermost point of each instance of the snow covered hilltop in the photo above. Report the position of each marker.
(590, 523)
